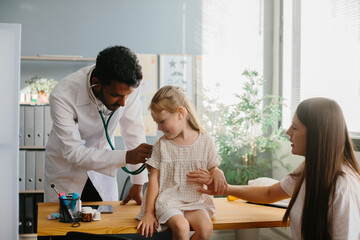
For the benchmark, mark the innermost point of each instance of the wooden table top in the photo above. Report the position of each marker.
(229, 215)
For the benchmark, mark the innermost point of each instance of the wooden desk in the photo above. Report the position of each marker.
(229, 215)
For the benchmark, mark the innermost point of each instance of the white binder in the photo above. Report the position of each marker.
(30, 170)
(39, 169)
(47, 123)
(21, 127)
(29, 125)
(22, 175)
(39, 126)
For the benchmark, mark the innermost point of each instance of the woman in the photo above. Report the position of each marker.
(325, 188)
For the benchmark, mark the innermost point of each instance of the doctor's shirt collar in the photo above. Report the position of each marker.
(93, 98)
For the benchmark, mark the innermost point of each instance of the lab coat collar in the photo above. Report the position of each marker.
(82, 97)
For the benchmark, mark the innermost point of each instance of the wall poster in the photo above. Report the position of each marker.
(177, 70)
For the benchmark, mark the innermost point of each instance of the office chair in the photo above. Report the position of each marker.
(90, 236)
(126, 188)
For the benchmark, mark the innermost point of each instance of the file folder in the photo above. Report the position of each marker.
(39, 171)
(29, 125)
(21, 213)
(22, 126)
(30, 170)
(39, 125)
(38, 197)
(28, 213)
(47, 123)
(22, 178)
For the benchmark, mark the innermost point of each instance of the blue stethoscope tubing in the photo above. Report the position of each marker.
(137, 171)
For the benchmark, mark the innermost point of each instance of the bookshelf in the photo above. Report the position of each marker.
(29, 198)
(57, 58)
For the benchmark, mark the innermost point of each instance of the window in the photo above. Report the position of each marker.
(321, 55)
(232, 42)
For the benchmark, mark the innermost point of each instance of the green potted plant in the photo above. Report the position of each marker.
(248, 132)
(42, 87)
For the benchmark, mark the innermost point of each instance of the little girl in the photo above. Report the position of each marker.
(171, 201)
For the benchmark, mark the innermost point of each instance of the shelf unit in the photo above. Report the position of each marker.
(58, 58)
(45, 58)
(31, 191)
(32, 148)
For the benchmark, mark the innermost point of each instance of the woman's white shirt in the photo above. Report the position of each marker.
(345, 212)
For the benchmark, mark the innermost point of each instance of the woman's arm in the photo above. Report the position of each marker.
(258, 194)
(148, 221)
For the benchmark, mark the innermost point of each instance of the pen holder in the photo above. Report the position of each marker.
(69, 209)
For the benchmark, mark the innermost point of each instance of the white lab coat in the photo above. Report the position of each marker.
(77, 143)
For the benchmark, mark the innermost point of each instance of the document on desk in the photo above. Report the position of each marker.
(283, 203)
(280, 204)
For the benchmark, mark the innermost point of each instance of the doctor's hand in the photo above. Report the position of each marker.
(135, 193)
(139, 154)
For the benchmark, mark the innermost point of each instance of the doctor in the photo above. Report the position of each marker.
(78, 156)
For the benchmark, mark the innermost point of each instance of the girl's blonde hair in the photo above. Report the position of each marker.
(170, 98)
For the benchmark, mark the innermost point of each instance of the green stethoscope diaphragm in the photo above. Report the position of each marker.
(137, 171)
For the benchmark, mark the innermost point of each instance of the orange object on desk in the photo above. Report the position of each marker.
(231, 198)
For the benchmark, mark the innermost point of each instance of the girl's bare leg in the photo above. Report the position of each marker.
(201, 223)
(179, 226)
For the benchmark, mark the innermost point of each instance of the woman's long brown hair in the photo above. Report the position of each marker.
(328, 148)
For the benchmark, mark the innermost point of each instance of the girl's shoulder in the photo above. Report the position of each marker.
(162, 142)
(205, 137)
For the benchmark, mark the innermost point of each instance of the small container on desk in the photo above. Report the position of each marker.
(69, 209)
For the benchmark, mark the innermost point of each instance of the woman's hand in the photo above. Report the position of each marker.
(147, 224)
(218, 178)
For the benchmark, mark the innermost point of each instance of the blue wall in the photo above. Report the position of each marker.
(85, 27)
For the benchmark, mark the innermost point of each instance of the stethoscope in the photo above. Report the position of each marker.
(106, 124)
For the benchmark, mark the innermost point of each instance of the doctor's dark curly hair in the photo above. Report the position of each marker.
(120, 64)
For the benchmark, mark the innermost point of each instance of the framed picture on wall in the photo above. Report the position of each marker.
(178, 70)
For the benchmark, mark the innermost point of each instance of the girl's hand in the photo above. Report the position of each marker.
(202, 176)
(215, 181)
(147, 224)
